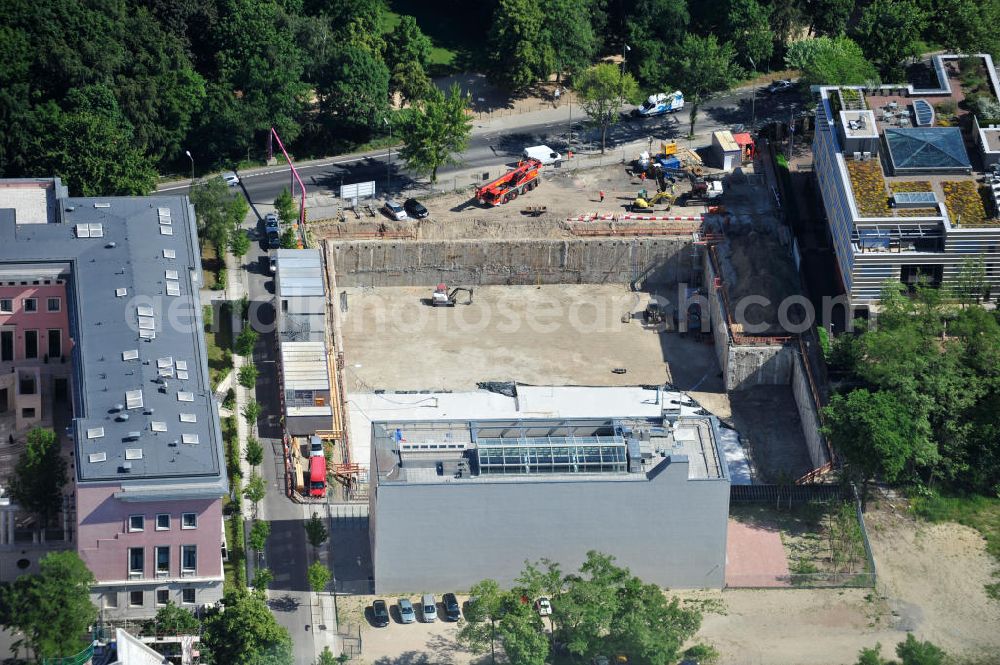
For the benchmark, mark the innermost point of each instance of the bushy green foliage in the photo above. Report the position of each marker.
(172, 620)
(830, 61)
(435, 131)
(601, 90)
(40, 475)
(246, 633)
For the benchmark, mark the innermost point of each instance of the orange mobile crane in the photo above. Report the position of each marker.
(506, 188)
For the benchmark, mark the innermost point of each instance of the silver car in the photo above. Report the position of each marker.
(231, 178)
(394, 210)
(406, 613)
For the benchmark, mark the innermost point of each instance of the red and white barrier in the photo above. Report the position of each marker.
(664, 218)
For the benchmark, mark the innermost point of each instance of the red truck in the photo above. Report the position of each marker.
(317, 476)
(507, 187)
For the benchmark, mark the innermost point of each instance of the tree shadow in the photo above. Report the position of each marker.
(286, 603)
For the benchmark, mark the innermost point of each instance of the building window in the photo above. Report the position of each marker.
(135, 599)
(136, 562)
(162, 596)
(29, 304)
(111, 600)
(136, 522)
(55, 343)
(163, 560)
(53, 304)
(189, 558)
(187, 596)
(28, 412)
(6, 306)
(162, 522)
(189, 520)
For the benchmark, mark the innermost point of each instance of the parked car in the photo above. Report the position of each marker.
(393, 210)
(452, 612)
(406, 613)
(428, 607)
(273, 240)
(543, 606)
(380, 614)
(315, 446)
(415, 209)
(271, 221)
(272, 263)
(231, 178)
(779, 86)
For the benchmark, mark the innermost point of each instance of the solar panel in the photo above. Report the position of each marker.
(97, 457)
(158, 426)
(173, 289)
(121, 292)
(95, 432)
(133, 399)
(131, 354)
(164, 362)
(171, 274)
(144, 310)
(182, 364)
(146, 323)
(189, 438)
(133, 453)
(189, 418)
(166, 231)
(185, 396)
(169, 254)
(147, 334)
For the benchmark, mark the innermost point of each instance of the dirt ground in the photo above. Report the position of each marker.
(456, 215)
(547, 335)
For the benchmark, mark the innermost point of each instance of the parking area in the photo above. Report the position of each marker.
(416, 643)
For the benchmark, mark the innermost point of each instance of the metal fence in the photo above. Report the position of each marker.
(858, 579)
(784, 495)
(349, 636)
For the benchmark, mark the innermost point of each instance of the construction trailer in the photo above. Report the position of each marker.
(510, 185)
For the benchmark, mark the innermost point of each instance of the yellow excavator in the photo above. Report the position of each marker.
(644, 202)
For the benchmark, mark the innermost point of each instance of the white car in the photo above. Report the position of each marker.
(394, 210)
(779, 86)
(315, 446)
(543, 606)
(231, 178)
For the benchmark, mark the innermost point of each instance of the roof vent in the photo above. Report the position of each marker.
(111, 245)
(122, 417)
(133, 436)
(119, 407)
(126, 467)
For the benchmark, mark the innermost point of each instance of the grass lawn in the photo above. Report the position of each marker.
(979, 512)
(210, 265)
(455, 38)
(219, 339)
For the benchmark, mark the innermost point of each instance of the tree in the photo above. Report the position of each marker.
(259, 533)
(877, 435)
(570, 33)
(407, 44)
(748, 26)
(889, 33)
(326, 657)
(655, 28)
(217, 210)
(965, 26)
(519, 52)
(251, 412)
(246, 341)
(316, 532)
(254, 451)
(701, 68)
(436, 130)
(354, 91)
(40, 475)
(285, 206)
(239, 242)
(248, 376)
(255, 490)
(53, 609)
(262, 578)
(871, 656)
(830, 61)
(520, 629)
(914, 652)
(172, 620)
(971, 285)
(829, 17)
(411, 81)
(480, 627)
(289, 238)
(246, 633)
(319, 576)
(601, 90)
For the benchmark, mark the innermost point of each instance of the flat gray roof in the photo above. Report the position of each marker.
(300, 273)
(143, 405)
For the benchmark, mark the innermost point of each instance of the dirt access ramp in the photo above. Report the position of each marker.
(931, 579)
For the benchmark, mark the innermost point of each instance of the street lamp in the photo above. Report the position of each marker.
(621, 75)
(188, 153)
(388, 166)
(753, 97)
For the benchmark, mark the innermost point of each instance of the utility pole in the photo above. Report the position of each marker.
(388, 167)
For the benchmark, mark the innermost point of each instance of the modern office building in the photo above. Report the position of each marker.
(906, 178)
(458, 500)
(108, 288)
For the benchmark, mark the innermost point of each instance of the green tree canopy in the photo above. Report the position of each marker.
(354, 91)
(654, 30)
(316, 532)
(437, 129)
(701, 68)
(406, 43)
(319, 576)
(255, 489)
(40, 475)
(748, 28)
(254, 451)
(284, 205)
(218, 210)
(570, 34)
(601, 90)
(246, 633)
(519, 52)
(53, 609)
(829, 17)
(830, 61)
(259, 533)
(172, 620)
(889, 33)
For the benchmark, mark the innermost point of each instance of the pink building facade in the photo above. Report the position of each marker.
(145, 553)
(34, 325)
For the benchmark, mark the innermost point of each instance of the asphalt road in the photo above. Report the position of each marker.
(491, 147)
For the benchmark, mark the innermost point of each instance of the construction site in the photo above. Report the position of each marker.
(560, 287)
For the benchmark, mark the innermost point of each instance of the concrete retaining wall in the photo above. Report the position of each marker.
(806, 406)
(479, 262)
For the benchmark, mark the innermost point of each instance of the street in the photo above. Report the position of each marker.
(498, 142)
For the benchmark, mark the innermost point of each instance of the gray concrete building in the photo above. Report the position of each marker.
(457, 501)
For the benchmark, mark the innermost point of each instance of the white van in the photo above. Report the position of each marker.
(542, 153)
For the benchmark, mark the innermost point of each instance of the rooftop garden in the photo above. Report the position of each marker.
(964, 203)
(980, 98)
(868, 184)
(913, 186)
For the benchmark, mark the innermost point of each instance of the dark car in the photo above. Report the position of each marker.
(452, 612)
(273, 240)
(780, 86)
(380, 614)
(415, 208)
